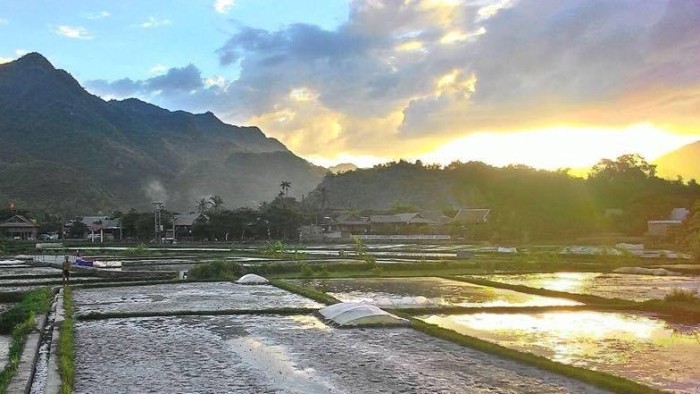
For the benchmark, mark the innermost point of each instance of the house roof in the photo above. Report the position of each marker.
(471, 216)
(95, 223)
(400, 218)
(350, 220)
(679, 214)
(188, 219)
(18, 221)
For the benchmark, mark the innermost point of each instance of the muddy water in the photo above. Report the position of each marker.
(625, 286)
(639, 347)
(416, 292)
(288, 354)
(207, 296)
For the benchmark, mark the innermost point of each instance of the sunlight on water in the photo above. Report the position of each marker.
(426, 292)
(643, 348)
(625, 286)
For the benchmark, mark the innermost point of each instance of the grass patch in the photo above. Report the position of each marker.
(32, 303)
(221, 270)
(599, 379)
(66, 350)
(19, 322)
(313, 294)
(218, 312)
(682, 295)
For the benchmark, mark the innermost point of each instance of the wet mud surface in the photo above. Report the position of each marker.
(425, 292)
(624, 286)
(6, 272)
(640, 347)
(288, 354)
(202, 296)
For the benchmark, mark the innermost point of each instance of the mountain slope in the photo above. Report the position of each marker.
(684, 161)
(122, 154)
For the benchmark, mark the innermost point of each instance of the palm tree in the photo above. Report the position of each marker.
(217, 202)
(285, 185)
(203, 205)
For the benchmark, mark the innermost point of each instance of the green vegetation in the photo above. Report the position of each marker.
(216, 270)
(19, 321)
(526, 204)
(140, 250)
(66, 351)
(307, 292)
(599, 379)
(32, 303)
(682, 295)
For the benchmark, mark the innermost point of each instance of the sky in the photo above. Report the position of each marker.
(546, 83)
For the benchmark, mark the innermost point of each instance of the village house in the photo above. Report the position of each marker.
(662, 228)
(99, 228)
(19, 227)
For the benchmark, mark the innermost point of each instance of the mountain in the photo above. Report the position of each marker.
(684, 161)
(66, 151)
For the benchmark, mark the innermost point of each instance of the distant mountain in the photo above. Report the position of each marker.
(67, 151)
(342, 167)
(684, 161)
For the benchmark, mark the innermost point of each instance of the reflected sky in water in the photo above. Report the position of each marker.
(435, 292)
(636, 346)
(625, 286)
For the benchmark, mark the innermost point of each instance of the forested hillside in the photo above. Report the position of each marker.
(620, 195)
(67, 152)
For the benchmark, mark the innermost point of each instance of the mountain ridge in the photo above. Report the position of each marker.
(119, 149)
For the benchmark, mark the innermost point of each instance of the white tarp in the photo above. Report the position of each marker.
(352, 314)
(252, 279)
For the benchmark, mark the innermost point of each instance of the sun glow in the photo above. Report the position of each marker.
(560, 147)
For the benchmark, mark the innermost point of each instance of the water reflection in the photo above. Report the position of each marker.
(640, 347)
(431, 292)
(625, 286)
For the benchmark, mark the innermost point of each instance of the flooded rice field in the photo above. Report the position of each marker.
(290, 354)
(200, 296)
(608, 285)
(6, 272)
(636, 346)
(426, 292)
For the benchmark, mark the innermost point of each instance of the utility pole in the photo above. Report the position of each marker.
(157, 208)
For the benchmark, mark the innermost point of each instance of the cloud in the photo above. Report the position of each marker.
(223, 6)
(405, 77)
(98, 15)
(5, 59)
(154, 22)
(158, 69)
(179, 87)
(73, 32)
(4, 21)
